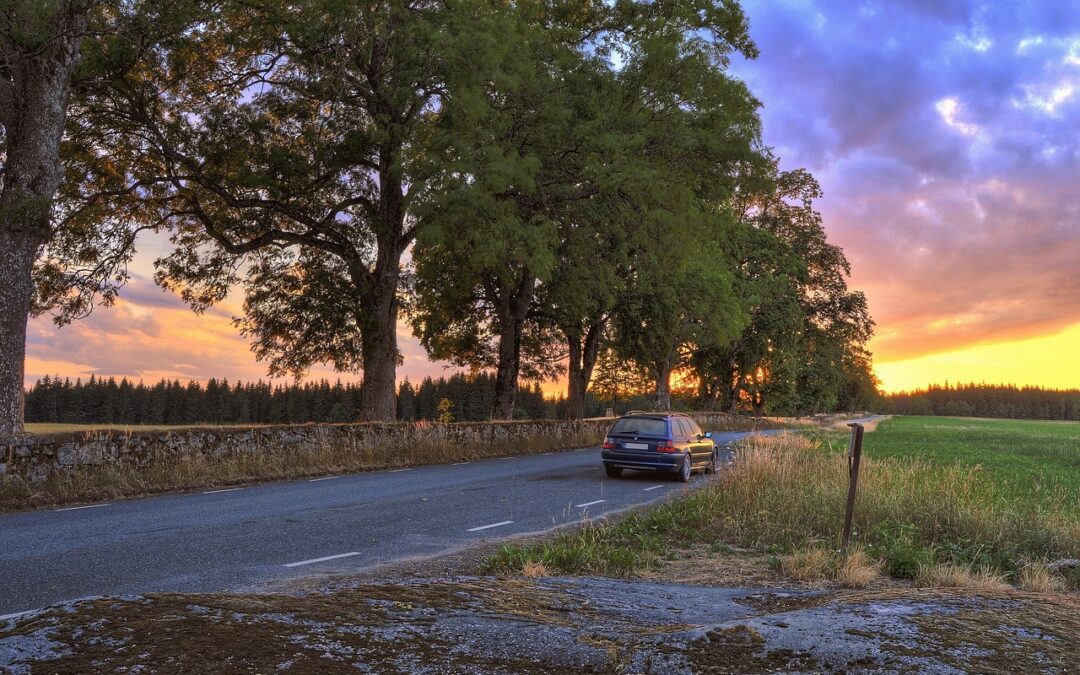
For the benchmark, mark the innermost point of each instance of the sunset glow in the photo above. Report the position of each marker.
(1051, 361)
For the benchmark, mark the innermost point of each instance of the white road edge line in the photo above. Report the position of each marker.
(214, 492)
(15, 615)
(581, 506)
(316, 480)
(88, 506)
(323, 559)
(399, 470)
(655, 487)
(459, 463)
(487, 527)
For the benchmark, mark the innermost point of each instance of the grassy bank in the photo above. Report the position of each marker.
(920, 515)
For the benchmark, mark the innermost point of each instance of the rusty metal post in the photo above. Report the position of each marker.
(854, 455)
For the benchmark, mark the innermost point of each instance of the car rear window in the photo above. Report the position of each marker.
(640, 426)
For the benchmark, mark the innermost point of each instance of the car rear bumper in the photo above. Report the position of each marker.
(653, 461)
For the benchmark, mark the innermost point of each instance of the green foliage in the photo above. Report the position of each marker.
(446, 407)
(569, 175)
(803, 347)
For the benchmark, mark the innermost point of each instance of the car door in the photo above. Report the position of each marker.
(686, 436)
(702, 446)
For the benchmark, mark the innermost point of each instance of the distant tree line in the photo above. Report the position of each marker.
(465, 397)
(170, 402)
(989, 400)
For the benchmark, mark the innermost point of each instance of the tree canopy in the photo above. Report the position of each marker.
(540, 188)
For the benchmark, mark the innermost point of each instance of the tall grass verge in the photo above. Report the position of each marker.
(786, 495)
(326, 457)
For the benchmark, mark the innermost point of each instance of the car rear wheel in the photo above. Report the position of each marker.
(612, 471)
(687, 468)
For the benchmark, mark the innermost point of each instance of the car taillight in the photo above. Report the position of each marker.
(608, 445)
(665, 447)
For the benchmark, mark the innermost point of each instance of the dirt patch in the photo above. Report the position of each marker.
(740, 649)
(728, 567)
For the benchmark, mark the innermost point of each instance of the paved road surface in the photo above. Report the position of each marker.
(231, 539)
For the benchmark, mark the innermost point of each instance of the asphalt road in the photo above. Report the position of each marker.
(239, 538)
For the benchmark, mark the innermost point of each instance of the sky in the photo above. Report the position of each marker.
(946, 137)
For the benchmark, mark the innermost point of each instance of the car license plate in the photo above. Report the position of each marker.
(636, 446)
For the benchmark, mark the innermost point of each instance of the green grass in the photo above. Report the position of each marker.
(1030, 460)
(921, 503)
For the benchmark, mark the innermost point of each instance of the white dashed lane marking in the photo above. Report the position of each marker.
(655, 487)
(323, 559)
(581, 506)
(488, 527)
(88, 506)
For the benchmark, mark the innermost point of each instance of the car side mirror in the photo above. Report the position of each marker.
(708, 434)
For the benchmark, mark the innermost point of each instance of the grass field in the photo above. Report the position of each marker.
(1030, 460)
(944, 501)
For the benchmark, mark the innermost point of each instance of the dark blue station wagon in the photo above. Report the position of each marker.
(669, 442)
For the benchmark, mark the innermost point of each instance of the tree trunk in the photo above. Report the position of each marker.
(512, 309)
(575, 388)
(378, 325)
(506, 374)
(583, 356)
(662, 372)
(17, 254)
(378, 389)
(378, 333)
(33, 106)
(758, 402)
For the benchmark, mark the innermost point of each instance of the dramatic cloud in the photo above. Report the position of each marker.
(946, 136)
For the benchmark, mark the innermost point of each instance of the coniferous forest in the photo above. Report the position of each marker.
(990, 400)
(171, 402)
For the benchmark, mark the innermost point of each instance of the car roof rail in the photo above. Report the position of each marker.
(638, 412)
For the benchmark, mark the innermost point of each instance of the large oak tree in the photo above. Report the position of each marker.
(285, 143)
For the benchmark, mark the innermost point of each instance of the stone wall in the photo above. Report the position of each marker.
(35, 458)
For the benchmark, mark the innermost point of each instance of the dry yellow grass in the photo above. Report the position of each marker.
(1035, 577)
(812, 564)
(952, 575)
(534, 570)
(858, 570)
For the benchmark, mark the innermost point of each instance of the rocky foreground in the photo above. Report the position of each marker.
(556, 625)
